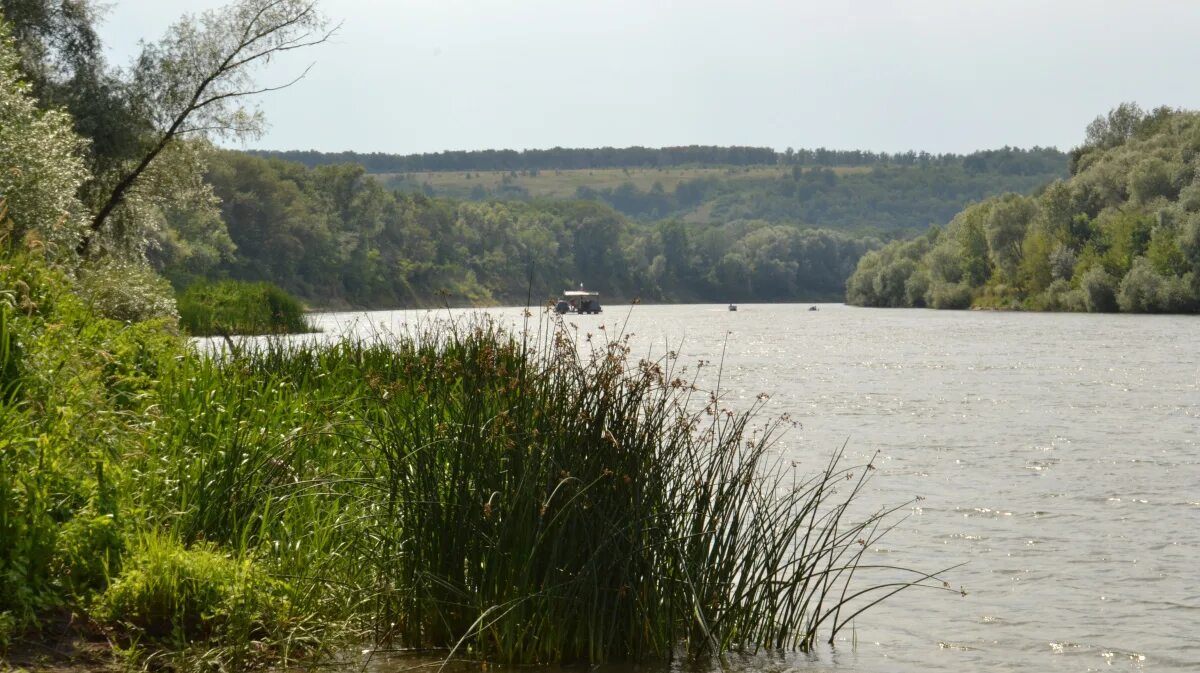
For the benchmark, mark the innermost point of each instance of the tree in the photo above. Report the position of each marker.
(41, 167)
(56, 41)
(1099, 293)
(195, 81)
(1005, 230)
(1118, 126)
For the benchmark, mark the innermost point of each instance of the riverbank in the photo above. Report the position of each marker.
(250, 510)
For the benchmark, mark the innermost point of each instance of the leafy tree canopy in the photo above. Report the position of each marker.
(1122, 233)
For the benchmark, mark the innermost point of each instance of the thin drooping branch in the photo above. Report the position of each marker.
(247, 51)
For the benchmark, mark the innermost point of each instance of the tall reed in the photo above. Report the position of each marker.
(512, 497)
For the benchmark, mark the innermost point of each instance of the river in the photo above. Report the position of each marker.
(1057, 455)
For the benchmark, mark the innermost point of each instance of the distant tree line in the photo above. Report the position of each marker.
(1035, 161)
(336, 237)
(886, 198)
(557, 158)
(1122, 234)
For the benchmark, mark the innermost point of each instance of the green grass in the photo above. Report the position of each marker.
(233, 307)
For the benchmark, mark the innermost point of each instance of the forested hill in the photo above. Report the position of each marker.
(338, 239)
(1007, 160)
(864, 192)
(1123, 233)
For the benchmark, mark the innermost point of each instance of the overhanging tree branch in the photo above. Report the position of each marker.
(194, 78)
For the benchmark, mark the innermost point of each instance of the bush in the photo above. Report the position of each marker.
(88, 551)
(1098, 293)
(126, 291)
(950, 296)
(1141, 288)
(1178, 294)
(1059, 296)
(171, 595)
(234, 307)
(68, 382)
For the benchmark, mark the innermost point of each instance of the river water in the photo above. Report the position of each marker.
(1057, 455)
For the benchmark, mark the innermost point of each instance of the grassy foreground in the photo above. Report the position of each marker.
(491, 494)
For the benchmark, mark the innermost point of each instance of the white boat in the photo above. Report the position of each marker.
(578, 301)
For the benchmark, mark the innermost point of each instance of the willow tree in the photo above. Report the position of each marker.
(198, 82)
(41, 165)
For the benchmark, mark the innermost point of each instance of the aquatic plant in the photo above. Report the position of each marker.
(234, 307)
(477, 490)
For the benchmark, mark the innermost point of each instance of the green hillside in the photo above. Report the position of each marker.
(336, 238)
(864, 192)
(1122, 233)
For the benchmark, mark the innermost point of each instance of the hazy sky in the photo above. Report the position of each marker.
(936, 75)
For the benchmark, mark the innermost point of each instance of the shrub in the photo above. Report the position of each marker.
(1098, 293)
(171, 595)
(1178, 294)
(1059, 296)
(234, 307)
(88, 550)
(126, 291)
(70, 381)
(1140, 290)
(950, 296)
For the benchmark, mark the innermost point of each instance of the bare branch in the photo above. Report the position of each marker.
(238, 94)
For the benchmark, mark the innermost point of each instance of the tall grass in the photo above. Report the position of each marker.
(234, 307)
(467, 489)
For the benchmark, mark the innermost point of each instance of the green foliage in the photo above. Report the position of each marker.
(1099, 290)
(232, 307)
(876, 193)
(125, 290)
(1058, 296)
(1120, 234)
(71, 384)
(949, 296)
(454, 487)
(169, 593)
(88, 552)
(883, 276)
(332, 236)
(1144, 290)
(41, 168)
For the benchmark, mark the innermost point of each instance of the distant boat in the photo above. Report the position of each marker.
(578, 301)
(733, 307)
(812, 308)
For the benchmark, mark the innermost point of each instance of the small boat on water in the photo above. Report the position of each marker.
(578, 301)
(812, 308)
(733, 307)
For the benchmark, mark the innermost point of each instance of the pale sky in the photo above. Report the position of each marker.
(934, 75)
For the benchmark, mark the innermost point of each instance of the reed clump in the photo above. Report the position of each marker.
(508, 496)
(235, 307)
(463, 489)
